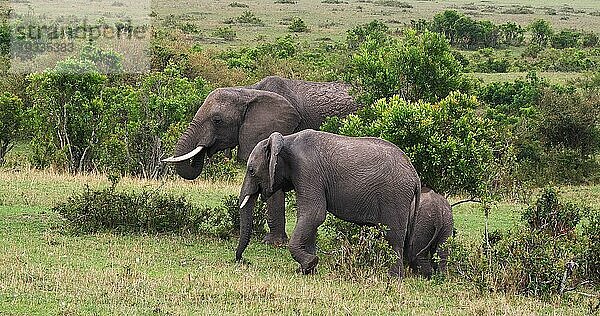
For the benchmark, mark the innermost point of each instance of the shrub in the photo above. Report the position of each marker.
(249, 18)
(298, 25)
(12, 122)
(565, 39)
(541, 32)
(448, 142)
(569, 120)
(393, 3)
(227, 33)
(416, 67)
(552, 217)
(545, 258)
(65, 116)
(355, 252)
(465, 32)
(141, 125)
(236, 4)
(152, 212)
(375, 31)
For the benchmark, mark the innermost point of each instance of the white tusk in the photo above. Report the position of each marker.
(245, 201)
(184, 157)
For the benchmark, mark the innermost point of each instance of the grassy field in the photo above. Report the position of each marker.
(44, 270)
(325, 19)
(331, 20)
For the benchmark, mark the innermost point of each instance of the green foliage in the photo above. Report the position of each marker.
(541, 32)
(546, 258)
(417, 67)
(65, 116)
(142, 124)
(298, 25)
(4, 38)
(393, 3)
(151, 212)
(569, 120)
(105, 61)
(355, 252)
(375, 31)
(463, 31)
(551, 216)
(12, 122)
(250, 58)
(565, 39)
(449, 142)
(227, 33)
(248, 17)
(236, 4)
(591, 233)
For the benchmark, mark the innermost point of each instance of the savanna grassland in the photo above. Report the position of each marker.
(45, 270)
(493, 100)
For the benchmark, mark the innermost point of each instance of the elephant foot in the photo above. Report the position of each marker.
(311, 266)
(275, 240)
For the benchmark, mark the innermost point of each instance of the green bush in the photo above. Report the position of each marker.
(142, 124)
(65, 116)
(375, 31)
(565, 39)
(544, 258)
(12, 122)
(552, 217)
(298, 25)
(450, 143)
(417, 67)
(227, 33)
(541, 32)
(152, 212)
(248, 17)
(354, 251)
(236, 4)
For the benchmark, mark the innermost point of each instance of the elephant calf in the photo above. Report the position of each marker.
(363, 180)
(433, 226)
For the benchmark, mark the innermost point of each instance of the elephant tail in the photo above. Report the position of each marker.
(412, 216)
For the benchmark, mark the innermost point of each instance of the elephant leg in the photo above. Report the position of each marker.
(276, 220)
(302, 245)
(396, 239)
(423, 265)
(443, 254)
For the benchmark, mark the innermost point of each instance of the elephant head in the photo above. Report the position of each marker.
(228, 118)
(262, 177)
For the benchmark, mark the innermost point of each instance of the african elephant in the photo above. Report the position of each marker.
(363, 180)
(243, 116)
(433, 226)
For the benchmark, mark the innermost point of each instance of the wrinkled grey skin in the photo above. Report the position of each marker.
(358, 179)
(243, 116)
(433, 226)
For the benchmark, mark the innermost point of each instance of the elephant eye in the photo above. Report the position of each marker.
(251, 171)
(217, 119)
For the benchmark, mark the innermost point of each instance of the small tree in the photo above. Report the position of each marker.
(12, 116)
(298, 25)
(418, 66)
(541, 32)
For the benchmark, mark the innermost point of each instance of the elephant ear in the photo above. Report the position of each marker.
(273, 148)
(266, 112)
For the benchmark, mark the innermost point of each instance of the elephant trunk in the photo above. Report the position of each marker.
(189, 168)
(247, 200)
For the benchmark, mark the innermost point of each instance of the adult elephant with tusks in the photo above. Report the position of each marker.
(363, 180)
(243, 116)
